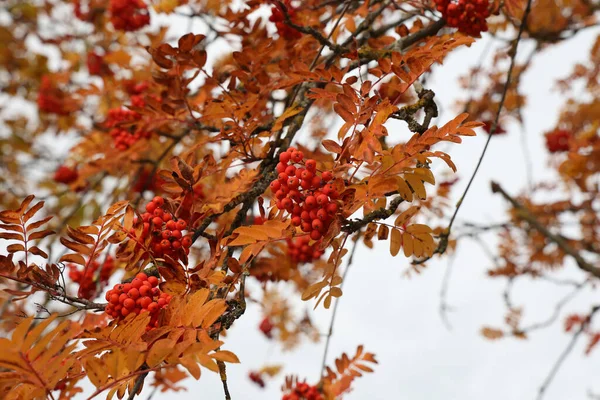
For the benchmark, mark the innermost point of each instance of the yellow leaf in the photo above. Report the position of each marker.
(406, 215)
(419, 228)
(191, 366)
(207, 362)
(404, 189)
(225, 356)
(395, 242)
(159, 351)
(407, 244)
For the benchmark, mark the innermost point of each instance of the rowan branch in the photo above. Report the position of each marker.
(565, 353)
(526, 215)
(354, 225)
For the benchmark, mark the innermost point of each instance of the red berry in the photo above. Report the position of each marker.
(315, 235)
(285, 157)
(129, 303)
(171, 225)
(327, 176)
(317, 224)
(186, 241)
(145, 301)
(311, 165)
(181, 224)
(157, 221)
(297, 156)
(136, 283)
(290, 170)
(150, 207)
(145, 290)
(310, 202)
(142, 276)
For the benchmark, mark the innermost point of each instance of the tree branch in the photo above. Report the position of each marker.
(526, 215)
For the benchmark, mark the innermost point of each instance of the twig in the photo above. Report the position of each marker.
(223, 374)
(525, 214)
(444, 308)
(564, 354)
(500, 107)
(137, 387)
(335, 306)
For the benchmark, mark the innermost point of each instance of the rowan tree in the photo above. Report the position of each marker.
(263, 145)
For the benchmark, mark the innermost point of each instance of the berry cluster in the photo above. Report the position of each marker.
(141, 295)
(308, 197)
(466, 15)
(256, 378)
(303, 391)
(284, 30)
(51, 99)
(88, 285)
(128, 15)
(266, 327)
(136, 91)
(300, 251)
(119, 119)
(66, 175)
(96, 65)
(558, 140)
(169, 236)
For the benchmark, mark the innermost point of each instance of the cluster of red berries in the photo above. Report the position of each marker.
(88, 285)
(141, 295)
(128, 15)
(303, 391)
(308, 197)
(136, 91)
(169, 236)
(96, 64)
(277, 16)
(266, 327)
(66, 175)
(466, 15)
(256, 378)
(146, 181)
(558, 140)
(124, 136)
(300, 251)
(51, 99)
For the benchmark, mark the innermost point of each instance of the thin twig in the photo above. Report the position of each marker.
(500, 107)
(444, 307)
(335, 306)
(564, 354)
(526, 215)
